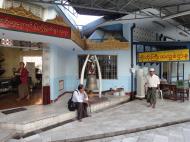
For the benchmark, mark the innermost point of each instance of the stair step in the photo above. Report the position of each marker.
(176, 138)
(186, 134)
(159, 138)
(6, 134)
(13, 140)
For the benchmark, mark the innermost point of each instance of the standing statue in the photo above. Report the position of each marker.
(91, 66)
(91, 63)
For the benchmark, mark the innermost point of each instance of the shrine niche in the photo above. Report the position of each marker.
(90, 64)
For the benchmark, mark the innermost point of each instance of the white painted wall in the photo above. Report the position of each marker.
(123, 69)
(147, 29)
(64, 65)
(57, 69)
(186, 70)
(98, 34)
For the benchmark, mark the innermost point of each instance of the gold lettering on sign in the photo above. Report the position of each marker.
(162, 56)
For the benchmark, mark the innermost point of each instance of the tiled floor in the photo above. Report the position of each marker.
(8, 101)
(174, 133)
(6, 134)
(36, 112)
(37, 117)
(126, 118)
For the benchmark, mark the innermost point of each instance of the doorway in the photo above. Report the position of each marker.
(8, 84)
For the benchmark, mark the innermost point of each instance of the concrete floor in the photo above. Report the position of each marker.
(129, 118)
(174, 133)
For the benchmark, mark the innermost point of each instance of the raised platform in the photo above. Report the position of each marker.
(128, 118)
(40, 117)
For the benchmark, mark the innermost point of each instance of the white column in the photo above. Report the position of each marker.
(100, 77)
(46, 66)
(83, 70)
(1, 3)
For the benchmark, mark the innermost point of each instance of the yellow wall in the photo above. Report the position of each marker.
(12, 58)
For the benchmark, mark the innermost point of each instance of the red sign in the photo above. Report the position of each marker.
(17, 23)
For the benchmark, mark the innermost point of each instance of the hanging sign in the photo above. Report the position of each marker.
(163, 56)
(17, 23)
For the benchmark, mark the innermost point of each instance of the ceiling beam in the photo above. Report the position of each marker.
(176, 15)
(78, 6)
(176, 5)
(130, 1)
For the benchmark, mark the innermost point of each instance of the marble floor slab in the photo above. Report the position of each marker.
(127, 118)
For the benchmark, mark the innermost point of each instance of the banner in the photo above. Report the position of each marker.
(162, 56)
(17, 23)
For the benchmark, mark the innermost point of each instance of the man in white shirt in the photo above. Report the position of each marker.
(81, 99)
(152, 82)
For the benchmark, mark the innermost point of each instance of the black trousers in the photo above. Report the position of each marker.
(81, 110)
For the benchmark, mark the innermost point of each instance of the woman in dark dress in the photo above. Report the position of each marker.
(23, 89)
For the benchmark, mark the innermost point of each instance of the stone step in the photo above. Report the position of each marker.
(54, 120)
(13, 140)
(159, 138)
(186, 134)
(6, 134)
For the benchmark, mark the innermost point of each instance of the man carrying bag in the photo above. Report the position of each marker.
(80, 99)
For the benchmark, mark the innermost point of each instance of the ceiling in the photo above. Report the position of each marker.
(122, 7)
(110, 7)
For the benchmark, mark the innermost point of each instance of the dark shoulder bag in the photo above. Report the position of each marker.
(72, 105)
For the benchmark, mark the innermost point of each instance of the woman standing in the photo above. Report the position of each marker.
(23, 86)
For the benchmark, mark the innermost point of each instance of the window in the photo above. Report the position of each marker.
(108, 66)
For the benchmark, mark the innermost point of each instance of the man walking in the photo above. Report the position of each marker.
(152, 82)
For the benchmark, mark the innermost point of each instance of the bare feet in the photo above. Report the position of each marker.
(28, 97)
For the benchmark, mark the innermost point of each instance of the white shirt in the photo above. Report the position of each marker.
(152, 81)
(79, 97)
